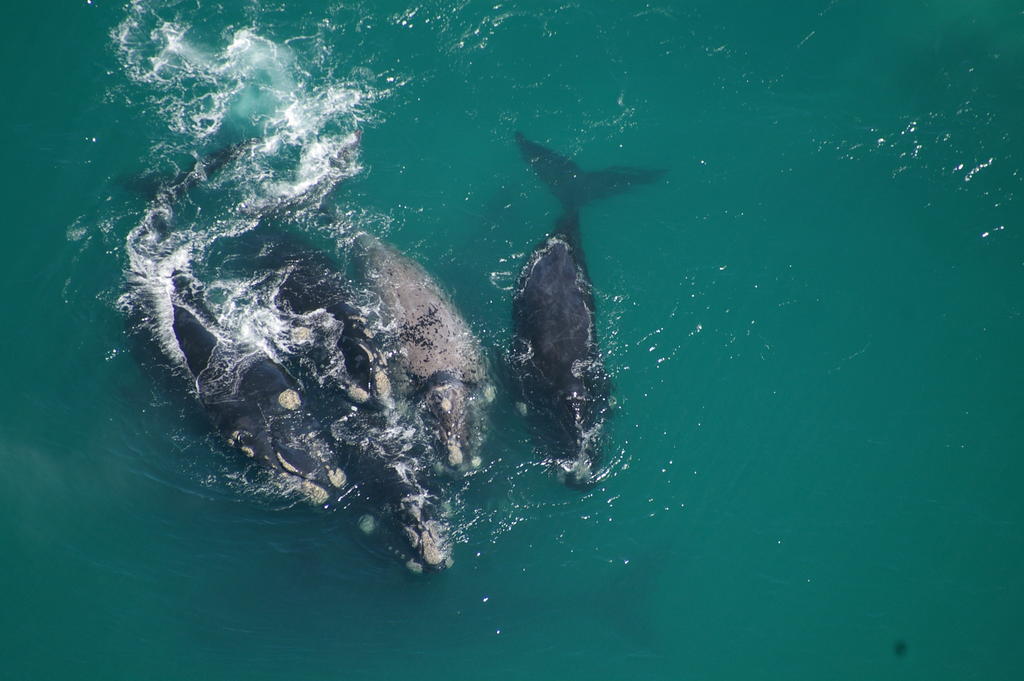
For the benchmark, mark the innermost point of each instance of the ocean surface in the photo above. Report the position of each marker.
(814, 325)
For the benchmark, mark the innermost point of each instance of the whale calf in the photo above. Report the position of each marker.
(556, 355)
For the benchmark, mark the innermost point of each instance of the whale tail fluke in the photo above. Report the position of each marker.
(573, 186)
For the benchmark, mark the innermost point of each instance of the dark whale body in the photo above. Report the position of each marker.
(557, 357)
(254, 403)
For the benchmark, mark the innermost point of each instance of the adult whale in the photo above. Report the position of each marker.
(439, 362)
(262, 410)
(254, 403)
(257, 404)
(557, 356)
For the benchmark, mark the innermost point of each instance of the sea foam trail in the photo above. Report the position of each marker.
(304, 130)
(250, 87)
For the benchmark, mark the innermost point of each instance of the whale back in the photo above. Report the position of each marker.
(433, 336)
(554, 312)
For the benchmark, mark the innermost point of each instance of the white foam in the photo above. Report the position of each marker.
(250, 86)
(305, 126)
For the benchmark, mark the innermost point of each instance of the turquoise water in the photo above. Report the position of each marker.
(813, 324)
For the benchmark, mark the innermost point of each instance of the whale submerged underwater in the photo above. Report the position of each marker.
(370, 384)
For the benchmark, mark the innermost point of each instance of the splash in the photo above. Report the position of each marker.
(302, 128)
(249, 87)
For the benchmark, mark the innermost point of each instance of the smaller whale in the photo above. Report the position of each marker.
(557, 356)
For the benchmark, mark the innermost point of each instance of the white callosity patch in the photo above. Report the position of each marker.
(316, 493)
(337, 477)
(367, 524)
(382, 384)
(432, 552)
(285, 464)
(357, 394)
(454, 454)
(289, 399)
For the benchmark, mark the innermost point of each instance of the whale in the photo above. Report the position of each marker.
(253, 402)
(556, 355)
(440, 365)
(316, 414)
(260, 409)
(339, 349)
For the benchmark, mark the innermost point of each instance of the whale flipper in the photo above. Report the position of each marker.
(574, 187)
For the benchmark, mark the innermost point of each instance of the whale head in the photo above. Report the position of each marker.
(447, 402)
(393, 480)
(427, 532)
(431, 545)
